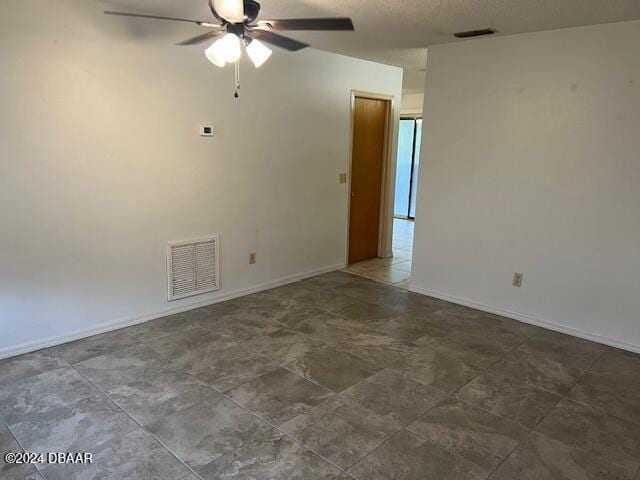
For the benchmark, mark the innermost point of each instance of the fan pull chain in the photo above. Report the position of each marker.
(236, 93)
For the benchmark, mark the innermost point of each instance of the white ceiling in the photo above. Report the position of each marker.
(397, 32)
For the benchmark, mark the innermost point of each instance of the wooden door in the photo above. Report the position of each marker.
(369, 133)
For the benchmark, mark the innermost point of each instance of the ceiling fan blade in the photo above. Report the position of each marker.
(156, 17)
(202, 38)
(278, 40)
(339, 23)
(231, 10)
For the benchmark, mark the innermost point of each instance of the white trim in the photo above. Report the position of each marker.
(539, 322)
(117, 324)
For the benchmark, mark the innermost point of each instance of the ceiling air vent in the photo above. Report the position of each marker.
(475, 33)
(192, 267)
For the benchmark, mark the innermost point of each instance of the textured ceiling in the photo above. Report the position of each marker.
(397, 32)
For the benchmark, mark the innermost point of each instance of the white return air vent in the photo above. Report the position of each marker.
(192, 267)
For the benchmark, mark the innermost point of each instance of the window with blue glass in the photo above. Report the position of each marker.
(409, 140)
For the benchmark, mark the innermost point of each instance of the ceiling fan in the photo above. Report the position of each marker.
(237, 26)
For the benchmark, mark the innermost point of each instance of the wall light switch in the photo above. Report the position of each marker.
(343, 178)
(205, 130)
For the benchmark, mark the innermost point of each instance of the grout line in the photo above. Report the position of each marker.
(255, 414)
(137, 422)
(449, 395)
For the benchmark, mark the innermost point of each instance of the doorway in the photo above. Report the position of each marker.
(408, 164)
(368, 162)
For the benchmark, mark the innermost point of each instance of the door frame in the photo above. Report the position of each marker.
(387, 189)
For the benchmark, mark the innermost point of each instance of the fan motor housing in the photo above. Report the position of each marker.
(251, 10)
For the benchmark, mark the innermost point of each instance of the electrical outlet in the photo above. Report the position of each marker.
(343, 178)
(517, 279)
(252, 258)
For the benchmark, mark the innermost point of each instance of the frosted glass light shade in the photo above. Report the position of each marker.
(225, 50)
(258, 52)
(215, 54)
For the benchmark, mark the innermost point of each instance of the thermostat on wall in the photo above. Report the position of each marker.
(205, 130)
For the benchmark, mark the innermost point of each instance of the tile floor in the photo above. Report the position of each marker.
(392, 271)
(334, 377)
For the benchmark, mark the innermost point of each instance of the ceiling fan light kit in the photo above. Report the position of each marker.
(238, 28)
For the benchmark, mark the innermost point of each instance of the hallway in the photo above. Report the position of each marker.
(392, 271)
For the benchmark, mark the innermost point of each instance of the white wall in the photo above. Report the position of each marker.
(101, 166)
(532, 164)
(412, 103)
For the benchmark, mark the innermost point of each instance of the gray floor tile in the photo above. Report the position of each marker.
(411, 329)
(204, 432)
(330, 301)
(74, 427)
(389, 356)
(163, 326)
(282, 346)
(589, 429)
(126, 365)
(154, 397)
(292, 310)
(378, 348)
(278, 395)
(289, 292)
(263, 303)
(621, 399)
(226, 368)
(619, 366)
(217, 310)
(7, 441)
(367, 312)
(134, 456)
(233, 319)
(272, 456)
(539, 371)
(248, 323)
(19, 472)
(341, 430)
(10, 471)
(392, 395)
(196, 351)
(22, 366)
(436, 369)
(95, 346)
(541, 457)
(42, 392)
(409, 457)
(395, 299)
(335, 279)
(174, 345)
(327, 328)
(470, 432)
(333, 369)
(509, 398)
(570, 351)
(477, 351)
(510, 333)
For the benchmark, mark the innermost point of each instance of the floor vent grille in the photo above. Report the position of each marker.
(192, 267)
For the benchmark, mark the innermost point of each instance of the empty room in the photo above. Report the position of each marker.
(349, 240)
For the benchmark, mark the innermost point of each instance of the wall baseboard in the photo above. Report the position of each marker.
(538, 322)
(137, 319)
